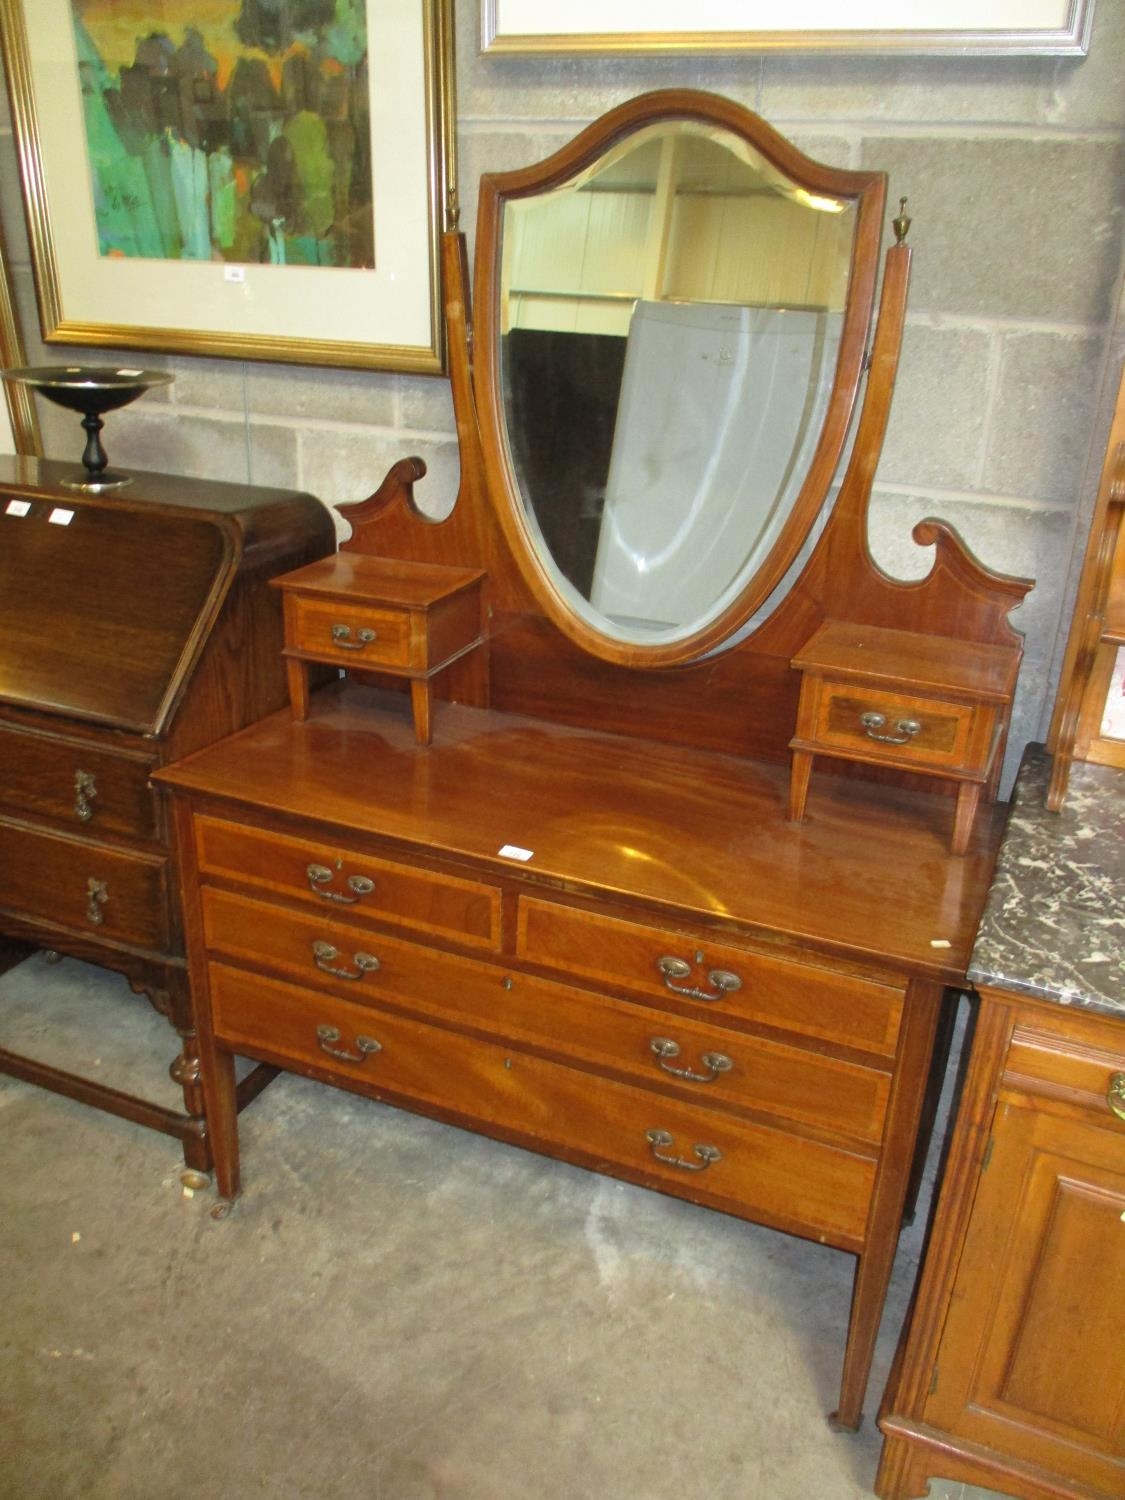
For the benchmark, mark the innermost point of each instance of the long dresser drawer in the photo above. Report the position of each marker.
(723, 1067)
(76, 784)
(699, 1153)
(658, 963)
(339, 877)
(85, 887)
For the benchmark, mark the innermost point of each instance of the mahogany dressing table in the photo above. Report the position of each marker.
(581, 919)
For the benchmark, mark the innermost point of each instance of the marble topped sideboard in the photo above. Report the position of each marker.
(1010, 1376)
(1054, 922)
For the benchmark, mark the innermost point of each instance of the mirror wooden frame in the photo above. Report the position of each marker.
(866, 190)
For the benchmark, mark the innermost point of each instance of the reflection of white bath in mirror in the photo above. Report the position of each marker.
(720, 410)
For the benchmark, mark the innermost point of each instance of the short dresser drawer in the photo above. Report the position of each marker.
(748, 1169)
(76, 784)
(1052, 1067)
(896, 726)
(88, 888)
(725, 981)
(338, 879)
(728, 1069)
(351, 633)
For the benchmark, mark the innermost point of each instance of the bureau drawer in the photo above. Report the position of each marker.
(777, 992)
(350, 633)
(760, 1172)
(725, 1068)
(77, 784)
(336, 879)
(1087, 1077)
(88, 888)
(943, 738)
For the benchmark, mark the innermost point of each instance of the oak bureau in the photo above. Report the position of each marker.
(134, 626)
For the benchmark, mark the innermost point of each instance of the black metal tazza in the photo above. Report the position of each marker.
(91, 390)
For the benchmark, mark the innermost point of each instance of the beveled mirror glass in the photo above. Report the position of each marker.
(676, 310)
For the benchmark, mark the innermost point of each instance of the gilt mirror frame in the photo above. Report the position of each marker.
(865, 190)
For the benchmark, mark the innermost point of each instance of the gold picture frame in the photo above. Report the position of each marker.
(965, 27)
(19, 425)
(381, 315)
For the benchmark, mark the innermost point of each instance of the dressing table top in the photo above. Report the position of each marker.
(868, 876)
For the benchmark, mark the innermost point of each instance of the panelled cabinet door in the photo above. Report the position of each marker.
(1032, 1359)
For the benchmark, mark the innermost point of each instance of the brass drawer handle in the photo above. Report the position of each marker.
(715, 1062)
(320, 875)
(724, 981)
(97, 894)
(907, 729)
(1115, 1095)
(324, 955)
(342, 637)
(85, 791)
(365, 1046)
(660, 1140)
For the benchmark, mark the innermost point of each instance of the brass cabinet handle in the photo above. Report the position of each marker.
(365, 1046)
(324, 955)
(1115, 1095)
(660, 1140)
(715, 1062)
(342, 637)
(85, 790)
(907, 729)
(725, 983)
(320, 875)
(97, 894)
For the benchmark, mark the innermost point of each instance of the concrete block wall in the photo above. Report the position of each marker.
(1014, 170)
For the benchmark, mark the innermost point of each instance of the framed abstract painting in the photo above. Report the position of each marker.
(237, 178)
(966, 27)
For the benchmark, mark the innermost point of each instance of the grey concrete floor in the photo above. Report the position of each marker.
(395, 1310)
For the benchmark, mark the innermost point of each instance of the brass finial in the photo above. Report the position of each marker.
(452, 210)
(901, 223)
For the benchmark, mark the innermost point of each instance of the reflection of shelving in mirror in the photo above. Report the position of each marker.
(91, 390)
(1089, 718)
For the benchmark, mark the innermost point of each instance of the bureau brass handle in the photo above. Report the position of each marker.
(907, 729)
(97, 894)
(660, 1140)
(365, 1046)
(1115, 1095)
(725, 983)
(85, 790)
(320, 875)
(324, 956)
(342, 637)
(715, 1062)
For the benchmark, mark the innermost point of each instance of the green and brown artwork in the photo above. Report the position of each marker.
(231, 130)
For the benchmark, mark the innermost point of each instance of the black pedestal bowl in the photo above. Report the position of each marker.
(91, 390)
